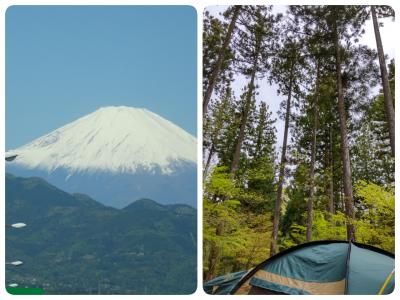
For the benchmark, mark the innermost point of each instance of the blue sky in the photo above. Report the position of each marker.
(63, 62)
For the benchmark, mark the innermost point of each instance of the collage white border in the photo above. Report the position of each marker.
(199, 5)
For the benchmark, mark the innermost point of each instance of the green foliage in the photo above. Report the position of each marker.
(372, 156)
(220, 185)
(214, 31)
(374, 224)
(372, 159)
(234, 234)
(375, 217)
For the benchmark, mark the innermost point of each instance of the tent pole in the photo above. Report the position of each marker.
(346, 287)
(385, 284)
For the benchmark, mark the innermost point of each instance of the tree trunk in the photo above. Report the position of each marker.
(210, 154)
(327, 172)
(331, 203)
(347, 184)
(310, 203)
(216, 129)
(220, 60)
(278, 203)
(214, 253)
(239, 142)
(341, 196)
(389, 109)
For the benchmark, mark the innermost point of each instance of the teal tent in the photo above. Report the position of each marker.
(315, 268)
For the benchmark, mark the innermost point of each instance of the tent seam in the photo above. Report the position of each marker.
(346, 287)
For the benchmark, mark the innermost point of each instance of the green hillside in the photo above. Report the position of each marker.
(74, 245)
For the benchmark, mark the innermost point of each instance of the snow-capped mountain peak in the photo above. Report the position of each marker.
(113, 139)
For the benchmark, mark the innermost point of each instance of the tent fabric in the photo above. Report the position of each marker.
(318, 268)
(222, 285)
(302, 286)
(272, 286)
(304, 271)
(368, 267)
(311, 263)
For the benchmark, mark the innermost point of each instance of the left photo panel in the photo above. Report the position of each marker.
(101, 150)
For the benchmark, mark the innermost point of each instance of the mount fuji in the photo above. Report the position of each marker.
(116, 155)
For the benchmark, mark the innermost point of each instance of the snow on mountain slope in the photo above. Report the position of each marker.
(112, 139)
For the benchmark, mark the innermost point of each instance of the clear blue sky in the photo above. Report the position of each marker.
(63, 62)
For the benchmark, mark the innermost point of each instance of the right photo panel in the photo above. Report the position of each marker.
(298, 150)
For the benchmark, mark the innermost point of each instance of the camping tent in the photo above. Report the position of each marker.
(321, 267)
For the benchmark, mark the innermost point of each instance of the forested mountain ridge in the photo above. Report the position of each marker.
(333, 175)
(72, 244)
